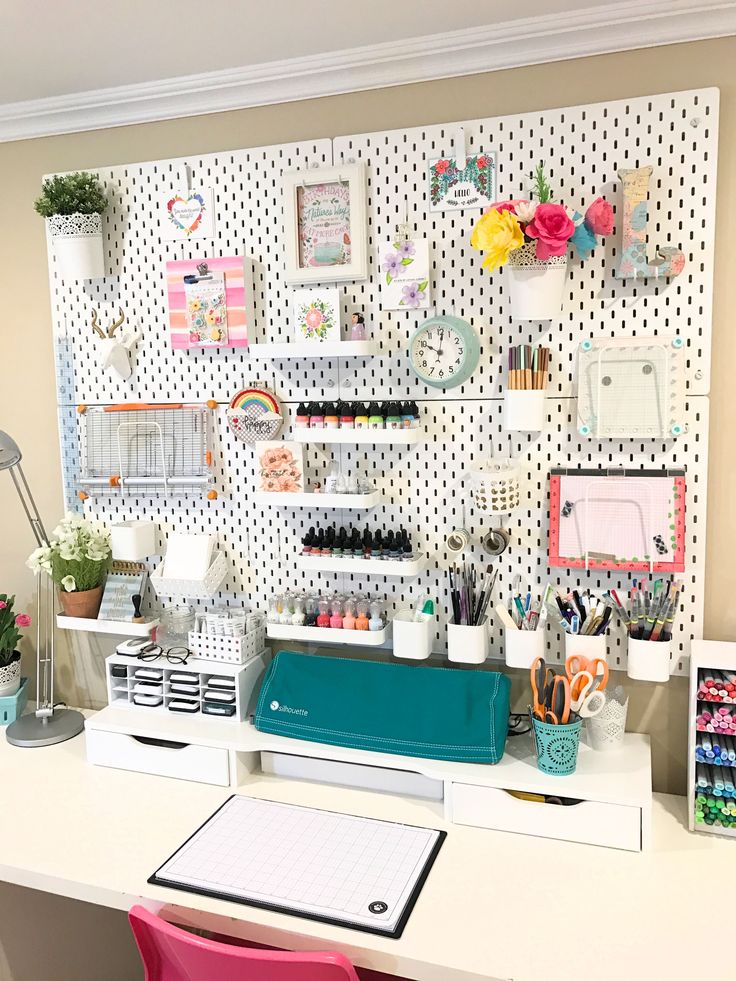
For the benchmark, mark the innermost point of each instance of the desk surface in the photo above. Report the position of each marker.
(96, 834)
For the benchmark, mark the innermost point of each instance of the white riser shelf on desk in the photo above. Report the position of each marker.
(617, 786)
(315, 349)
(327, 635)
(123, 628)
(392, 437)
(311, 500)
(366, 567)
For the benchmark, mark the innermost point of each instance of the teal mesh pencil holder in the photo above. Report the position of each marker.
(557, 746)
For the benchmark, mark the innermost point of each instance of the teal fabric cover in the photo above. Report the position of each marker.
(436, 713)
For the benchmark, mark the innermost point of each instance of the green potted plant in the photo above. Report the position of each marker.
(77, 560)
(72, 205)
(10, 623)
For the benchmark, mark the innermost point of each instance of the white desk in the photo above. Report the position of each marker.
(495, 906)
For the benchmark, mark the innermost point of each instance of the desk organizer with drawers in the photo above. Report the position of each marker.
(612, 791)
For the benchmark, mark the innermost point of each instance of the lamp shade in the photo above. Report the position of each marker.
(10, 455)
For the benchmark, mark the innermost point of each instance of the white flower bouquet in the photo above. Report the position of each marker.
(79, 557)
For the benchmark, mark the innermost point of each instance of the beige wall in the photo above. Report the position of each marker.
(27, 393)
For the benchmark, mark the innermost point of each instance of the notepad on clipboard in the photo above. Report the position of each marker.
(339, 868)
(124, 580)
(631, 520)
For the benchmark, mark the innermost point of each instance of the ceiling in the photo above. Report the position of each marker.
(80, 45)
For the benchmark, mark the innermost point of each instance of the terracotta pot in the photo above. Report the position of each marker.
(10, 676)
(85, 605)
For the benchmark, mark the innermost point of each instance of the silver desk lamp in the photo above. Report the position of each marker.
(48, 725)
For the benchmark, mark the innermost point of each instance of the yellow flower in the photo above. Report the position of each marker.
(194, 305)
(498, 233)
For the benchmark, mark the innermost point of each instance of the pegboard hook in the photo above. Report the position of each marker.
(185, 178)
(459, 148)
(403, 229)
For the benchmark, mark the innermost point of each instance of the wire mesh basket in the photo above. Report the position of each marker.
(146, 449)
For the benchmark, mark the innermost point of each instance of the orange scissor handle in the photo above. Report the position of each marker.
(574, 665)
(599, 669)
(539, 675)
(560, 706)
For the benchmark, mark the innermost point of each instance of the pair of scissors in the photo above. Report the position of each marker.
(586, 699)
(542, 678)
(595, 666)
(558, 705)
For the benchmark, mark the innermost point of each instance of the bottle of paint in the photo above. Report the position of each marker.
(323, 617)
(308, 542)
(298, 616)
(286, 609)
(301, 420)
(376, 419)
(347, 415)
(367, 544)
(361, 416)
(407, 416)
(331, 479)
(310, 612)
(361, 621)
(415, 415)
(332, 420)
(274, 611)
(348, 619)
(376, 616)
(316, 416)
(393, 416)
(336, 615)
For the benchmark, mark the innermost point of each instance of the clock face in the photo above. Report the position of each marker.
(444, 351)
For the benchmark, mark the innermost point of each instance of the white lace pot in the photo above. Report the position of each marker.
(77, 242)
(10, 678)
(536, 288)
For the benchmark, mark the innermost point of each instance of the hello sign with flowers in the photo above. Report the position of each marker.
(534, 237)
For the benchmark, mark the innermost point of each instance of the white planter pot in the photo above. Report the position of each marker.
(536, 288)
(77, 242)
(133, 541)
(10, 679)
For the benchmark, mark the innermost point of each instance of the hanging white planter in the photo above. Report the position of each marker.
(536, 288)
(77, 242)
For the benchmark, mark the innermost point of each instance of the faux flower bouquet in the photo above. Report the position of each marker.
(79, 558)
(9, 632)
(509, 225)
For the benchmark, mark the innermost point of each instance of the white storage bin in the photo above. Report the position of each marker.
(590, 647)
(467, 644)
(191, 588)
(649, 660)
(606, 730)
(413, 639)
(232, 650)
(524, 411)
(133, 541)
(522, 647)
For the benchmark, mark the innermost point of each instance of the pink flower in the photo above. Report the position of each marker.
(314, 318)
(22, 620)
(441, 166)
(3, 605)
(506, 205)
(553, 228)
(482, 162)
(599, 217)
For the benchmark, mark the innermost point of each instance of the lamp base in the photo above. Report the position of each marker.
(29, 731)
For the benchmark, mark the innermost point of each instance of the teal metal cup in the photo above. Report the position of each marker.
(557, 746)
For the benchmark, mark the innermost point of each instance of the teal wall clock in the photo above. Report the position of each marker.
(444, 351)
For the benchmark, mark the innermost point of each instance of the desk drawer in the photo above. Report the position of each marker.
(589, 822)
(186, 761)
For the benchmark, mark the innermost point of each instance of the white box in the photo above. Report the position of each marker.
(649, 660)
(133, 541)
(412, 639)
(522, 647)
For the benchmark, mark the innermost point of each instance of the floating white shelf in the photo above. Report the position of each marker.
(327, 635)
(399, 437)
(309, 500)
(367, 567)
(124, 628)
(315, 349)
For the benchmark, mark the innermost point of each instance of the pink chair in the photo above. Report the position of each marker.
(171, 954)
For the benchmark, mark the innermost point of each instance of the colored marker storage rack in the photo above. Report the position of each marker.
(712, 738)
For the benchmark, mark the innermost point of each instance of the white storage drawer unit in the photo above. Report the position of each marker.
(589, 822)
(165, 758)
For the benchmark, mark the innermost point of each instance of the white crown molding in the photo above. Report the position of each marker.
(594, 30)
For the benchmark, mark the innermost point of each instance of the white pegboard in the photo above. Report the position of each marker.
(422, 486)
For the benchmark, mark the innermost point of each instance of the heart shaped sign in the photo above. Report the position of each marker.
(186, 213)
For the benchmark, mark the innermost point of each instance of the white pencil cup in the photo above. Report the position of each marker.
(606, 730)
(522, 647)
(412, 639)
(649, 660)
(582, 646)
(133, 541)
(524, 411)
(467, 644)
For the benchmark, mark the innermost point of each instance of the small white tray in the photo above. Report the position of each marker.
(191, 588)
(124, 628)
(366, 567)
(311, 500)
(327, 635)
(315, 349)
(399, 437)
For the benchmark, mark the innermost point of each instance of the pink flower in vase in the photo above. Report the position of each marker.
(552, 228)
(3, 605)
(22, 620)
(599, 217)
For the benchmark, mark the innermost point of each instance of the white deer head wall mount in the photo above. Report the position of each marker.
(114, 352)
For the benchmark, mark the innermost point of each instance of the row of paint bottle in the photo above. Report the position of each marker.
(338, 611)
(357, 415)
(350, 544)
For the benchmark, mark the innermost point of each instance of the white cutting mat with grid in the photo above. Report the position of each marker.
(320, 864)
(423, 487)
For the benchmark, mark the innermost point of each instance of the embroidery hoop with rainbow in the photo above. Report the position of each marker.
(254, 414)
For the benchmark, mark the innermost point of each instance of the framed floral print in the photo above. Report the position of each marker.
(279, 467)
(325, 224)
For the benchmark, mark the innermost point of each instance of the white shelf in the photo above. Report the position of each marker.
(399, 437)
(315, 349)
(327, 635)
(124, 628)
(309, 500)
(368, 567)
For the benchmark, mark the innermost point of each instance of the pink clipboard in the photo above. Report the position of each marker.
(632, 521)
(233, 269)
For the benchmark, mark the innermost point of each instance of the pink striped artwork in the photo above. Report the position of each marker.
(233, 269)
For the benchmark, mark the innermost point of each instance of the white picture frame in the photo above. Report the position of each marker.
(337, 197)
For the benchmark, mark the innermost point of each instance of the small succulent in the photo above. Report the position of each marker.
(69, 194)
